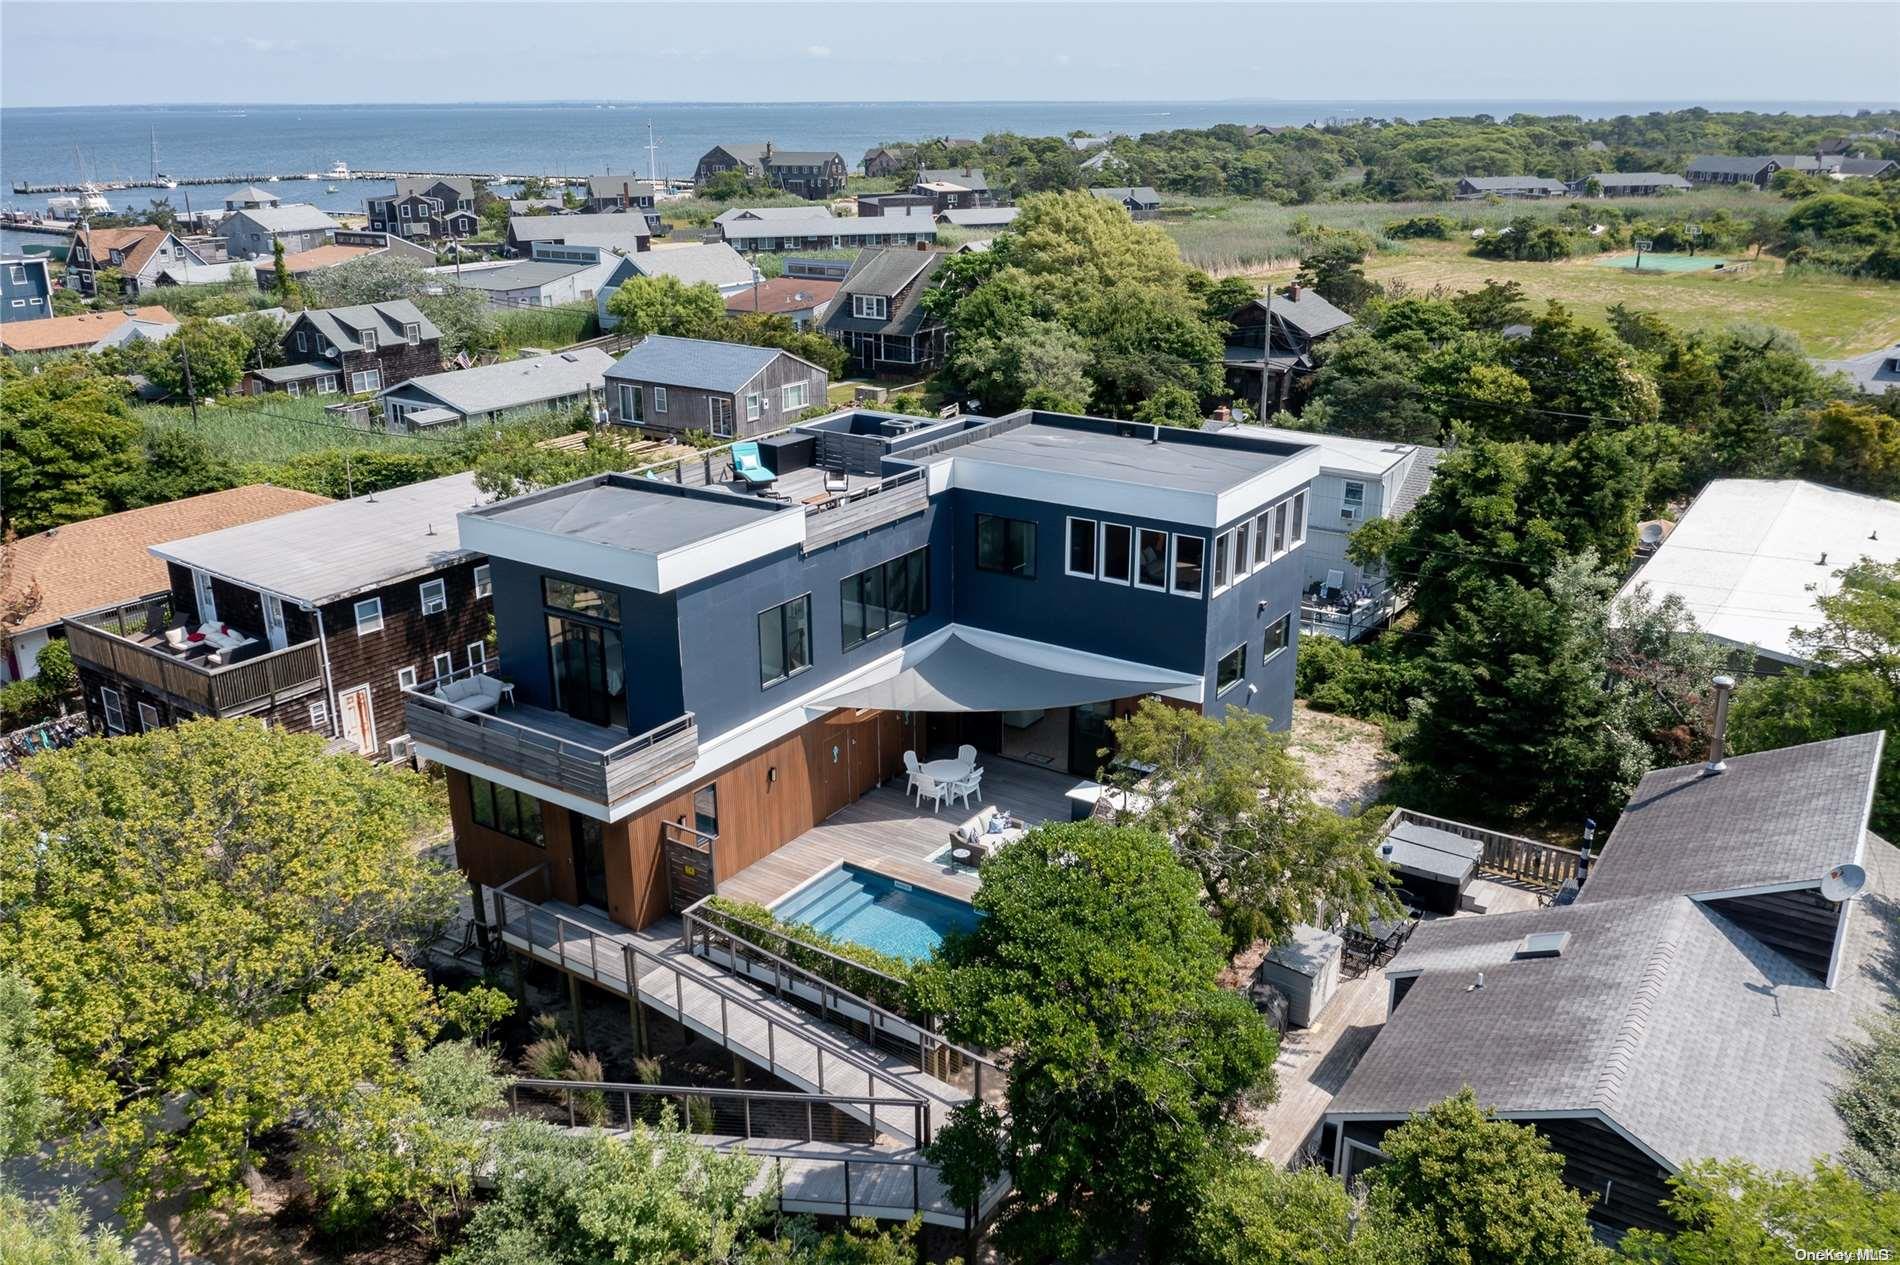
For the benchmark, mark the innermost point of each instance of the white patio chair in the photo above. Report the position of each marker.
(912, 768)
(967, 754)
(930, 788)
(964, 787)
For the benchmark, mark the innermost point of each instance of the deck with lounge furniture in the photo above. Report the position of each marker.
(206, 670)
(887, 832)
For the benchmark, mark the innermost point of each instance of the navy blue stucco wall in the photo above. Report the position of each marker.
(1237, 616)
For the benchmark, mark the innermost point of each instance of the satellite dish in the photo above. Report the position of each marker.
(1651, 533)
(1843, 882)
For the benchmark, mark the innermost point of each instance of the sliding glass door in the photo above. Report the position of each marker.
(589, 673)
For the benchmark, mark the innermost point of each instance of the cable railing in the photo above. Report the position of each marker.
(912, 1038)
(780, 1115)
(575, 947)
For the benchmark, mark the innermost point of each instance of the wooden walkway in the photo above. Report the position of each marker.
(771, 1034)
(886, 832)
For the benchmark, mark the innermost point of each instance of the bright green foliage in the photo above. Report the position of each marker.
(1170, 405)
(1514, 701)
(1734, 1214)
(56, 1236)
(1239, 810)
(1869, 1104)
(666, 305)
(1253, 1213)
(1489, 1192)
(210, 914)
(55, 664)
(280, 275)
(768, 329)
(1137, 315)
(1372, 680)
(68, 443)
(651, 1196)
(1094, 970)
(474, 1012)
(216, 355)
(464, 317)
(26, 1065)
(1854, 446)
(412, 1141)
(1573, 368)
(1333, 265)
(1855, 687)
(515, 464)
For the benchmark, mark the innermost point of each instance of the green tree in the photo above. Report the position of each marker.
(1734, 1214)
(1170, 405)
(1094, 970)
(30, 1235)
(1251, 1213)
(768, 329)
(213, 914)
(204, 358)
(1489, 1192)
(1239, 810)
(1369, 390)
(26, 1067)
(1868, 1103)
(57, 672)
(161, 213)
(1853, 446)
(280, 275)
(463, 315)
(1577, 375)
(666, 305)
(68, 443)
(1332, 263)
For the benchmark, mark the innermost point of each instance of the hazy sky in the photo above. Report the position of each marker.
(78, 52)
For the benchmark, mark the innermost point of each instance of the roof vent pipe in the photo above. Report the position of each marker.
(1723, 685)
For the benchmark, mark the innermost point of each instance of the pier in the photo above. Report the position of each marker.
(302, 177)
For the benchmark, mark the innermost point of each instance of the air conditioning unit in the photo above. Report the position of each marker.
(1348, 513)
(401, 750)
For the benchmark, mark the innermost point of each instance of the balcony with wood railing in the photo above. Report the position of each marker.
(127, 643)
(1513, 857)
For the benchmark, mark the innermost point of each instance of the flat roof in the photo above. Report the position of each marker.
(1338, 452)
(1747, 556)
(330, 551)
(628, 517)
(1124, 459)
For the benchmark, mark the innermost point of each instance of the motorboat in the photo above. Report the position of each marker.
(340, 170)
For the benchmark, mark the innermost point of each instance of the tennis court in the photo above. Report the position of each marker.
(1655, 262)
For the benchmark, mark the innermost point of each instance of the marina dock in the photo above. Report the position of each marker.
(302, 177)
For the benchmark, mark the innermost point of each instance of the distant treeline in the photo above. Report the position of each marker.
(1401, 160)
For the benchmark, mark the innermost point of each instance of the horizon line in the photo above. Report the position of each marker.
(1751, 105)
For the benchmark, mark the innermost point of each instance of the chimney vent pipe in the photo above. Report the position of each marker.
(1723, 686)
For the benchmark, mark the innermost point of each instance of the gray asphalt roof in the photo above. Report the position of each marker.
(406, 185)
(693, 362)
(885, 272)
(651, 521)
(1115, 458)
(1310, 313)
(1774, 817)
(1612, 179)
(1874, 373)
(526, 274)
(1418, 481)
(292, 217)
(512, 383)
(714, 264)
(341, 324)
(1123, 192)
(1502, 183)
(330, 551)
(968, 177)
(1660, 1012)
(980, 216)
(1728, 164)
(578, 228)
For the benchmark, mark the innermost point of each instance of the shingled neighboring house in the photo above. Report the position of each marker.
(804, 173)
(1690, 1004)
(628, 234)
(878, 314)
(1875, 373)
(557, 381)
(1631, 184)
(712, 263)
(727, 390)
(356, 349)
(1141, 202)
(1510, 187)
(140, 254)
(953, 188)
(887, 160)
(250, 233)
(610, 194)
(426, 206)
(1301, 319)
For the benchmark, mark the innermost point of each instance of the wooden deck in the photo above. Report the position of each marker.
(886, 832)
(1314, 1062)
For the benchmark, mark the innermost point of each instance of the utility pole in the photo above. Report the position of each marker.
(184, 351)
(1266, 358)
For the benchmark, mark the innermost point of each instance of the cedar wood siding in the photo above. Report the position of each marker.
(398, 360)
(687, 408)
(1625, 1186)
(821, 768)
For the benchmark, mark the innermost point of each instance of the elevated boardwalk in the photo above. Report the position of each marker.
(741, 1016)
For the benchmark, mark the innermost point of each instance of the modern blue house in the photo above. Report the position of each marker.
(26, 289)
(693, 672)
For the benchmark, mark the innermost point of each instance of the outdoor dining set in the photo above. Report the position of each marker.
(1375, 943)
(956, 779)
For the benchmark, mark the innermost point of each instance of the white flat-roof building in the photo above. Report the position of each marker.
(1750, 557)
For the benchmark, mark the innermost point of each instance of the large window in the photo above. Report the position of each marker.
(719, 413)
(1007, 545)
(1352, 503)
(369, 616)
(1151, 570)
(1243, 538)
(1223, 550)
(1231, 670)
(1082, 548)
(885, 596)
(435, 597)
(1190, 560)
(1118, 552)
(872, 307)
(1298, 531)
(1279, 636)
(794, 395)
(582, 599)
(1279, 529)
(784, 640)
(706, 809)
(484, 581)
(504, 809)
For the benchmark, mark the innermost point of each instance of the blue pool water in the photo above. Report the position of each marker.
(878, 912)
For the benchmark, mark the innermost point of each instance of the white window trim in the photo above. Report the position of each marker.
(1134, 568)
(405, 678)
(754, 405)
(484, 581)
(412, 333)
(1241, 559)
(478, 655)
(1101, 552)
(369, 340)
(303, 340)
(320, 714)
(148, 718)
(374, 622)
(785, 395)
(1068, 548)
(113, 704)
(1223, 545)
(659, 399)
(1174, 565)
(1296, 522)
(442, 665)
(441, 588)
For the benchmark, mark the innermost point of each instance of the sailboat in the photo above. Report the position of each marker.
(159, 179)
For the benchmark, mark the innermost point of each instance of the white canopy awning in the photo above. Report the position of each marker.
(957, 675)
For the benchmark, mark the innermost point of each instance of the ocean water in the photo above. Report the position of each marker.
(65, 144)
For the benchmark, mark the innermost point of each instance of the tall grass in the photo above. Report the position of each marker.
(549, 327)
(1224, 235)
(271, 429)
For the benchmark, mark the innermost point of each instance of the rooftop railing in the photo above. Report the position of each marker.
(109, 641)
(1512, 856)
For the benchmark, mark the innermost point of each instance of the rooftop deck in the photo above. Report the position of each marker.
(127, 642)
(885, 831)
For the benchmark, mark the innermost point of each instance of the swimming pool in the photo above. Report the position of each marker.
(877, 911)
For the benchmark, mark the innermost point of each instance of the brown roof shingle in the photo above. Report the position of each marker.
(135, 244)
(783, 295)
(59, 332)
(103, 561)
